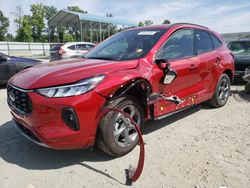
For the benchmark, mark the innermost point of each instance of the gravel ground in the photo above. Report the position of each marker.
(199, 147)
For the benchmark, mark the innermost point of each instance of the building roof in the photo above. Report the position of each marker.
(66, 18)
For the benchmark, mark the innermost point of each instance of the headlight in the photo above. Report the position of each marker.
(73, 89)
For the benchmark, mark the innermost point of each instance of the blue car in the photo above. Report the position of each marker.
(10, 65)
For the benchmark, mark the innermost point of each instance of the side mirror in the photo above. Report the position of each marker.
(169, 77)
(169, 74)
(162, 63)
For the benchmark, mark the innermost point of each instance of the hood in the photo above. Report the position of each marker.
(23, 60)
(67, 71)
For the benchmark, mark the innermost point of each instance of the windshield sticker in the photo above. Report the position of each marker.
(147, 33)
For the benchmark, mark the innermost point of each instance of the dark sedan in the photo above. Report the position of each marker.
(241, 52)
(10, 65)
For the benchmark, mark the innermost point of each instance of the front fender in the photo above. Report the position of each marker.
(117, 80)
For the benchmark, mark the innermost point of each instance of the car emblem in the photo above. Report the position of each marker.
(12, 96)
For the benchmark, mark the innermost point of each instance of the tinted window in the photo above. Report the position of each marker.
(203, 42)
(127, 45)
(179, 45)
(72, 47)
(81, 47)
(240, 48)
(217, 43)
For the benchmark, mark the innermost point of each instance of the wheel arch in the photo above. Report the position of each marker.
(230, 74)
(138, 88)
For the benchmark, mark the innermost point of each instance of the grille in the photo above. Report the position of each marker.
(19, 101)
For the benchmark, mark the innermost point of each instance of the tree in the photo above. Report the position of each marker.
(4, 24)
(24, 33)
(166, 21)
(67, 37)
(140, 24)
(148, 22)
(9, 37)
(50, 11)
(37, 20)
(18, 16)
(76, 9)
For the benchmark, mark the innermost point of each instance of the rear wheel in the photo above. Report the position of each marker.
(114, 136)
(222, 92)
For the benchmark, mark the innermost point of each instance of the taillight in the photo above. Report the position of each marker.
(61, 51)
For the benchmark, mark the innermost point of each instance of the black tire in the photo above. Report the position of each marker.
(247, 88)
(222, 92)
(111, 124)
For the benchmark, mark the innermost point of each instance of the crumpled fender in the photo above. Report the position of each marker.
(116, 80)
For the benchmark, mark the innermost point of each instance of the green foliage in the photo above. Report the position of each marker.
(166, 21)
(67, 37)
(145, 23)
(148, 22)
(37, 20)
(9, 37)
(24, 33)
(140, 24)
(76, 9)
(4, 24)
(49, 11)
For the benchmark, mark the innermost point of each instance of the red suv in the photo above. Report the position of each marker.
(148, 72)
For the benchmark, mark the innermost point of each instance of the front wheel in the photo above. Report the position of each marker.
(114, 136)
(222, 92)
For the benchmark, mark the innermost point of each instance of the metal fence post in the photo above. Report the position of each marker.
(43, 49)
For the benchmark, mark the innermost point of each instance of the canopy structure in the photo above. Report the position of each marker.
(83, 21)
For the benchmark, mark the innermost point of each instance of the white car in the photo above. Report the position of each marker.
(74, 49)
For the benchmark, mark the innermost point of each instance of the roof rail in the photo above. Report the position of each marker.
(189, 24)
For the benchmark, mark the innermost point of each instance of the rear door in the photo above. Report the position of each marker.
(179, 51)
(209, 60)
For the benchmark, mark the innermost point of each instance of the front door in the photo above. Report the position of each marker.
(179, 52)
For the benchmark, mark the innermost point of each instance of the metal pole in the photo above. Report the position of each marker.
(91, 32)
(109, 29)
(49, 33)
(100, 27)
(81, 30)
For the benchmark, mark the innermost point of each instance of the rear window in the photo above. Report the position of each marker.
(217, 43)
(72, 47)
(203, 42)
(55, 47)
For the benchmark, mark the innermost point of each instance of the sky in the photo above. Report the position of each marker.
(223, 16)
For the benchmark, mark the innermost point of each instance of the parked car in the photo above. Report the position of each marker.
(10, 65)
(147, 72)
(54, 51)
(70, 50)
(241, 51)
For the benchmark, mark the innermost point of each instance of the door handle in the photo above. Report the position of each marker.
(192, 67)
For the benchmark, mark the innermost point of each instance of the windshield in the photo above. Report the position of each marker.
(127, 45)
(240, 48)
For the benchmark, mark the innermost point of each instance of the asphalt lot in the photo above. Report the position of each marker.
(199, 147)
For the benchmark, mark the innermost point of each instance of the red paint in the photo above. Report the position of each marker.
(46, 123)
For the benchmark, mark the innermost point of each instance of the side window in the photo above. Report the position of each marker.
(179, 45)
(81, 47)
(203, 42)
(217, 43)
(72, 47)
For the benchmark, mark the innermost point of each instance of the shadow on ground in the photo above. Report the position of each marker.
(16, 149)
(240, 95)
